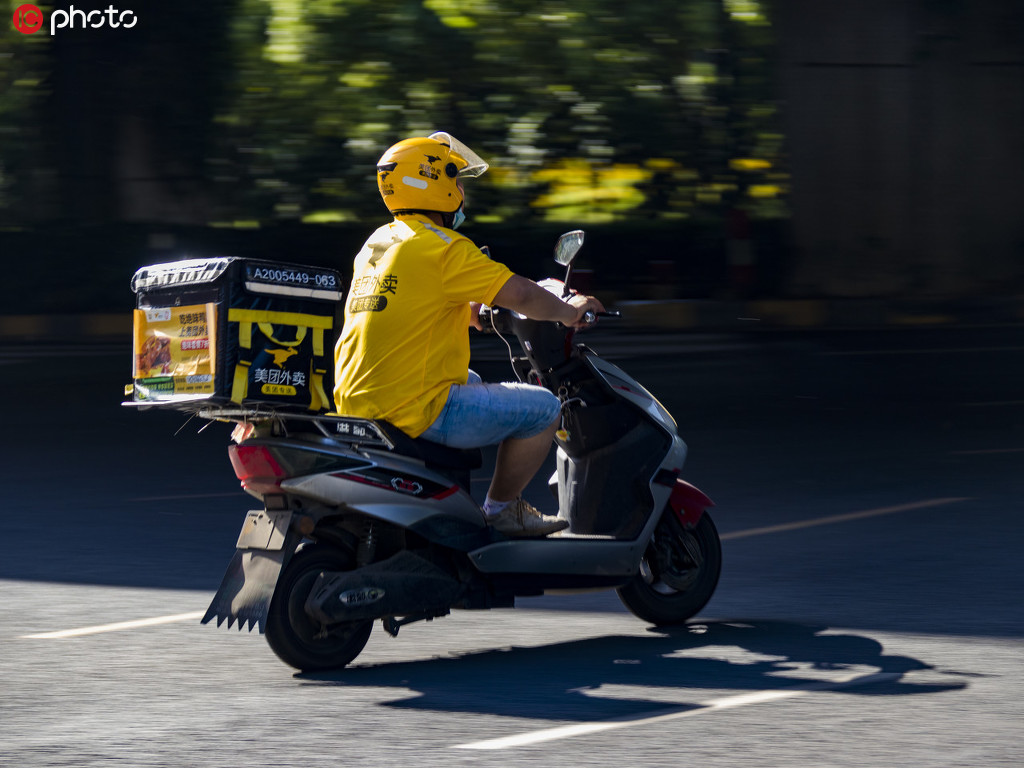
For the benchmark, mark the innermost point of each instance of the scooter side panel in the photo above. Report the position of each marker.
(630, 389)
(397, 496)
(607, 490)
(452, 521)
(435, 525)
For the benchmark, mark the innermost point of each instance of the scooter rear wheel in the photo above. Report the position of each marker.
(292, 634)
(678, 573)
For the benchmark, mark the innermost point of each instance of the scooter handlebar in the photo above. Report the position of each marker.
(590, 316)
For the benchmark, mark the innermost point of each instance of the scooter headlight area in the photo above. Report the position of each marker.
(358, 522)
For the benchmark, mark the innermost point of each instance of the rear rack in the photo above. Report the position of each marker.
(352, 429)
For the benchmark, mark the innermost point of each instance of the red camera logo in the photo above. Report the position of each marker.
(28, 19)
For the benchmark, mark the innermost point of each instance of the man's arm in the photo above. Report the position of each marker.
(528, 298)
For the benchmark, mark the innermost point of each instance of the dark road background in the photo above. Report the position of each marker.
(780, 428)
(868, 491)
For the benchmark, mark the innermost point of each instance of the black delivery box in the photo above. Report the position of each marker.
(217, 331)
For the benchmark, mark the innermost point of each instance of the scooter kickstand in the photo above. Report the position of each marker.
(392, 623)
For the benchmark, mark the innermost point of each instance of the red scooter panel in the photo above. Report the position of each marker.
(689, 502)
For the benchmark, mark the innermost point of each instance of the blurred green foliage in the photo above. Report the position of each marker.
(588, 112)
(24, 67)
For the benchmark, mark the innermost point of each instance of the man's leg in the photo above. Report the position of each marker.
(481, 414)
(518, 461)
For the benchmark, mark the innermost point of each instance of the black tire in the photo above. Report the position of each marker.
(292, 634)
(678, 574)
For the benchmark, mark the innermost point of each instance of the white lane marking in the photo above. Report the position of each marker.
(832, 519)
(725, 537)
(728, 702)
(116, 627)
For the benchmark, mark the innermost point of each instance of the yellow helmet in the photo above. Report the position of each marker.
(421, 174)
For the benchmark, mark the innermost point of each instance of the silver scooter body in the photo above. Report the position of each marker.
(383, 484)
(412, 541)
(365, 476)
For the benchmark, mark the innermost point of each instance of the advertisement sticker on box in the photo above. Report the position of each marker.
(177, 346)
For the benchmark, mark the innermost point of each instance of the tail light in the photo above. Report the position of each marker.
(256, 467)
(262, 467)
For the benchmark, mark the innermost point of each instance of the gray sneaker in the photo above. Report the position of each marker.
(522, 519)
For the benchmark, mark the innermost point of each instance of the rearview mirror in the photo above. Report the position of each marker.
(568, 246)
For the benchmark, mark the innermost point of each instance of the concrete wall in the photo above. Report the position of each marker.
(906, 138)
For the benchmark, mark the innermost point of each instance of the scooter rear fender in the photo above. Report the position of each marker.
(249, 581)
(689, 503)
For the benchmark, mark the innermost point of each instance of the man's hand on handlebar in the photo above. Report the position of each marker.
(587, 308)
(545, 302)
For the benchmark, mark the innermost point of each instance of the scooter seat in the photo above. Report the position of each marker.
(431, 453)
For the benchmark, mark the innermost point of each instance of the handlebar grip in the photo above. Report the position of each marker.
(590, 316)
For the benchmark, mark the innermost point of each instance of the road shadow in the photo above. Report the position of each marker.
(600, 678)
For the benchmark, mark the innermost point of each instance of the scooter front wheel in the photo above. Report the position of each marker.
(292, 634)
(678, 573)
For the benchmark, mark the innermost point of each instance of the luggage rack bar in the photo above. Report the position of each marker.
(349, 428)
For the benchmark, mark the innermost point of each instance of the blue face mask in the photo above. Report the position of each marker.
(459, 217)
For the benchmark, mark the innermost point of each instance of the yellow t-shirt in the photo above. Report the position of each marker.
(406, 334)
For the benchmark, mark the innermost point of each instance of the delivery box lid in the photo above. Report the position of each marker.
(262, 277)
(185, 272)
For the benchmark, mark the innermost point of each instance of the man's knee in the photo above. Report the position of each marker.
(548, 408)
(554, 406)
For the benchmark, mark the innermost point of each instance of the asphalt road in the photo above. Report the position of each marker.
(868, 490)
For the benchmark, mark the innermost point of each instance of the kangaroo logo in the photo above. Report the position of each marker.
(432, 159)
(282, 355)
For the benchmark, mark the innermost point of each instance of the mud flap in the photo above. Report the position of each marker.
(248, 585)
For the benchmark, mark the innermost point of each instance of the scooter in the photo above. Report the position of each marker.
(360, 522)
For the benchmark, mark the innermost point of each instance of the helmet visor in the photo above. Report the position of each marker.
(475, 166)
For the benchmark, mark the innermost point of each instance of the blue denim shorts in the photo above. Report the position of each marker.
(479, 414)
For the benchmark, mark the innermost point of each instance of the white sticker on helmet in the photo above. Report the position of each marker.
(412, 181)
